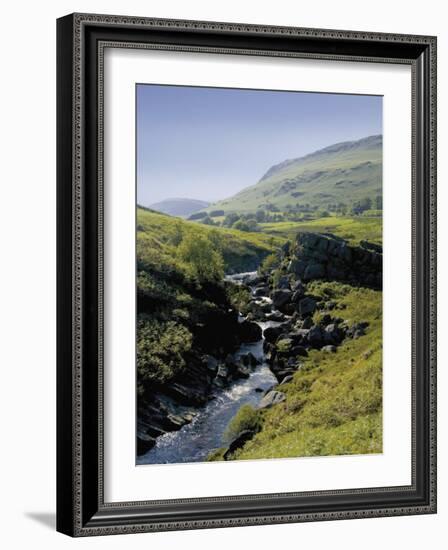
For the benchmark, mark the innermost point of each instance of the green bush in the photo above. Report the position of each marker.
(160, 350)
(247, 418)
(202, 261)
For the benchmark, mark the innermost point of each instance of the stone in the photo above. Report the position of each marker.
(314, 271)
(297, 295)
(332, 334)
(238, 442)
(307, 306)
(286, 379)
(307, 323)
(249, 331)
(330, 349)
(211, 362)
(315, 336)
(261, 291)
(299, 351)
(281, 297)
(272, 398)
(271, 334)
(283, 283)
(276, 316)
(144, 443)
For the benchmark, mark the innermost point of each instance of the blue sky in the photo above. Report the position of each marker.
(209, 143)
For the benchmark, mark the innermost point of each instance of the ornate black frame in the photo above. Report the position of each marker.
(81, 39)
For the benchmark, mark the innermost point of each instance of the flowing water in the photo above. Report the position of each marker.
(194, 441)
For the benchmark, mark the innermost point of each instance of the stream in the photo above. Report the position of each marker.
(194, 441)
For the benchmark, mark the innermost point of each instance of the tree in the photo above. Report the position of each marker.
(260, 216)
(360, 206)
(202, 260)
(230, 219)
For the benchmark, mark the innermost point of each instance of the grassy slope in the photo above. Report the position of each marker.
(333, 404)
(338, 174)
(352, 229)
(159, 234)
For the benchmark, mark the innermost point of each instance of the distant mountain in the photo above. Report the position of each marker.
(341, 173)
(179, 207)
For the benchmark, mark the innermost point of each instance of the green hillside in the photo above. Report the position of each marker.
(159, 235)
(340, 174)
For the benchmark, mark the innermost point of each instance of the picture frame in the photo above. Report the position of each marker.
(81, 506)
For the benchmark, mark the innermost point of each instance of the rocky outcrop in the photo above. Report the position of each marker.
(326, 256)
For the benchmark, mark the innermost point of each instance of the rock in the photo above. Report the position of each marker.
(259, 390)
(330, 349)
(271, 398)
(271, 334)
(297, 267)
(325, 320)
(261, 291)
(299, 351)
(332, 334)
(314, 271)
(281, 297)
(315, 336)
(283, 283)
(297, 295)
(242, 371)
(372, 246)
(211, 362)
(286, 379)
(250, 359)
(223, 372)
(307, 306)
(238, 442)
(249, 331)
(275, 316)
(307, 323)
(144, 443)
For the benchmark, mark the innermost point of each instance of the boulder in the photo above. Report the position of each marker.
(271, 334)
(249, 331)
(330, 349)
(286, 379)
(315, 336)
(250, 360)
(283, 283)
(211, 362)
(276, 316)
(307, 323)
(261, 291)
(299, 351)
(281, 297)
(314, 271)
(307, 306)
(332, 334)
(238, 442)
(144, 443)
(272, 398)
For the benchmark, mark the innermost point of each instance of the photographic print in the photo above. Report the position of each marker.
(259, 274)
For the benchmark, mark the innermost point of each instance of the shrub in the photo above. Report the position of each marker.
(160, 350)
(272, 261)
(202, 261)
(197, 216)
(247, 418)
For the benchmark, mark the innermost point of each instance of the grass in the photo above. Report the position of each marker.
(334, 403)
(353, 229)
(159, 235)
